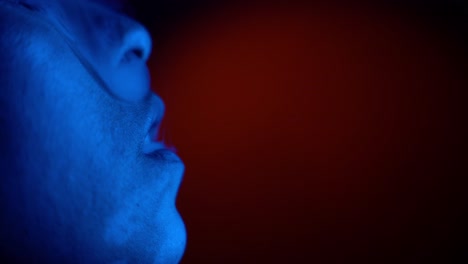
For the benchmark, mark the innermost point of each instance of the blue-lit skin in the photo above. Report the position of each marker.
(77, 182)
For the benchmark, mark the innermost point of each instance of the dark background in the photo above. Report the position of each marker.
(315, 133)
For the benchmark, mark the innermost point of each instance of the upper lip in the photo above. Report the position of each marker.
(154, 120)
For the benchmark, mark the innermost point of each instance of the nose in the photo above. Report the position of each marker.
(136, 44)
(129, 78)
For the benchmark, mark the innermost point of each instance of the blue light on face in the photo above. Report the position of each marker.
(76, 185)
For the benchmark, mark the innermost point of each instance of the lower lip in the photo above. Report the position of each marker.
(164, 154)
(159, 152)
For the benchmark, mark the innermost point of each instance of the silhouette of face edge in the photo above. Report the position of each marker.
(77, 113)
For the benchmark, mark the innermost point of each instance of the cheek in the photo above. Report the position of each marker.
(129, 82)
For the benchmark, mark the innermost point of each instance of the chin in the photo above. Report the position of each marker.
(173, 247)
(161, 243)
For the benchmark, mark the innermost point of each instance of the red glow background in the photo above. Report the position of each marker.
(315, 135)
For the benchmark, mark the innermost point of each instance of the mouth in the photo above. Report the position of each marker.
(151, 145)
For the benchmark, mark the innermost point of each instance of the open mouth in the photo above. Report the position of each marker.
(156, 148)
(151, 144)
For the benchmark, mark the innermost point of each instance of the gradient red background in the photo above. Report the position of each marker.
(325, 134)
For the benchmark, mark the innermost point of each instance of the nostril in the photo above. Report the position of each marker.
(138, 53)
(133, 54)
(136, 44)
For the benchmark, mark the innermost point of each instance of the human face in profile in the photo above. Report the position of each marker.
(83, 180)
